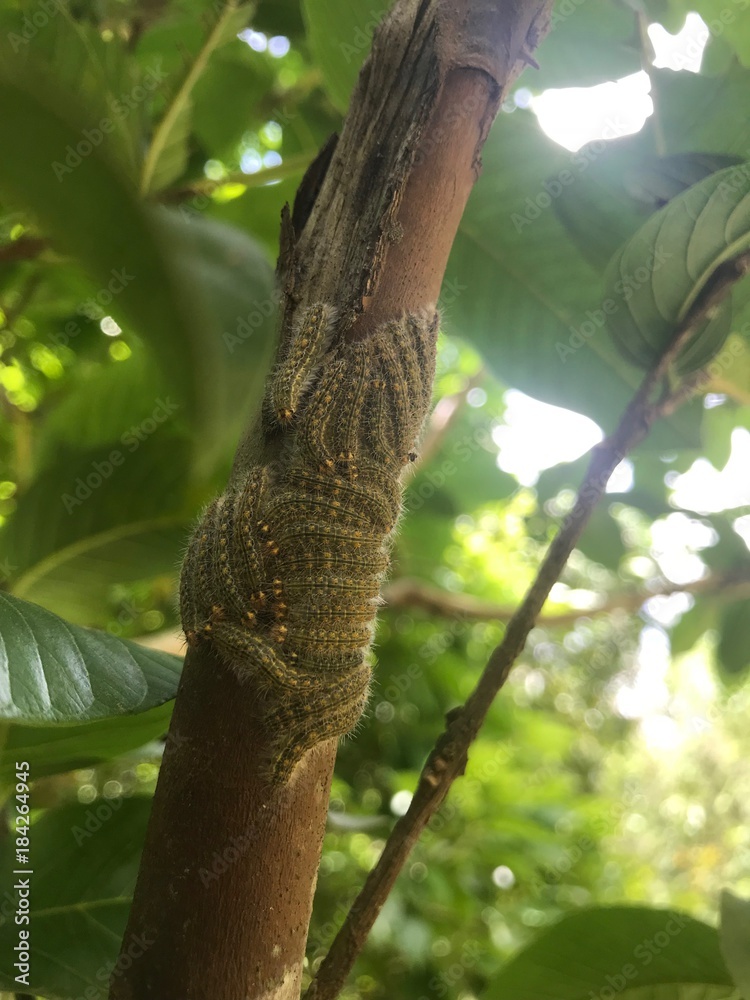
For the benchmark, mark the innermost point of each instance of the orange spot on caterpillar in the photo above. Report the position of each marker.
(294, 552)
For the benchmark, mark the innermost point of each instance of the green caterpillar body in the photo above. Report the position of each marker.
(283, 573)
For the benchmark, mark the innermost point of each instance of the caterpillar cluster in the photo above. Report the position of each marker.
(283, 573)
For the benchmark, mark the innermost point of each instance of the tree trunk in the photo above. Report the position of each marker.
(224, 894)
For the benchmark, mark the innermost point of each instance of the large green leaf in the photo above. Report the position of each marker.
(79, 581)
(279, 17)
(56, 749)
(226, 98)
(735, 939)
(93, 498)
(186, 284)
(52, 671)
(618, 184)
(340, 36)
(612, 184)
(726, 22)
(635, 952)
(235, 301)
(692, 626)
(104, 404)
(85, 861)
(587, 44)
(655, 279)
(514, 280)
(73, 54)
(66, 182)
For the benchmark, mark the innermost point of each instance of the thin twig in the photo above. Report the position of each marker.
(205, 186)
(24, 248)
(181, 98)
(408, 592)
(30, 247)
(449, 755)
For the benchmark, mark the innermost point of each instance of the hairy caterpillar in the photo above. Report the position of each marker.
(297, 367)
(283, 573)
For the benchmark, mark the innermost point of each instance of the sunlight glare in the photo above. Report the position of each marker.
(535, 436)
(675, 540)
(646, 693)
(705, 490)
(574, 116)
(683, 50)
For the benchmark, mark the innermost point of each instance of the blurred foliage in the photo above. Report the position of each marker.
(149, 149)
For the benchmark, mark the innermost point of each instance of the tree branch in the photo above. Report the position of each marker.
(408, 592)
(205, 186)
(448, 758)
(373, 224)
(24, 248)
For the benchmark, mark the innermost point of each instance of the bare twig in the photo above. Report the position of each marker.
(409, 592)
(24, 248)
(266, 175)
(448, 757)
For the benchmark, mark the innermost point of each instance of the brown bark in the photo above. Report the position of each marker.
(228, 861)
(372, 236)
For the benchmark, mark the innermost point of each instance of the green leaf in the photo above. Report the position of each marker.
(514, 279)
(236, 305)
(279, 17)
(617, 183)
(733, 649)
(226, 97)
(735, 939)
(258, 211)
(340, 35)
(187, 284)
(88, 501)
(103, 404)
(727, 22)
(84, 204)
(661, 178)
(601, 540)
(78, 581)
(605, 188)
(636, 952)
(654, 280)
(56, 749)
(85, 861)
(52, 671)
(587, 44)
(109, 85)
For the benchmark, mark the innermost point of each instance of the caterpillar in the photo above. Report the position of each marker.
(283, 572)
(297, 368)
